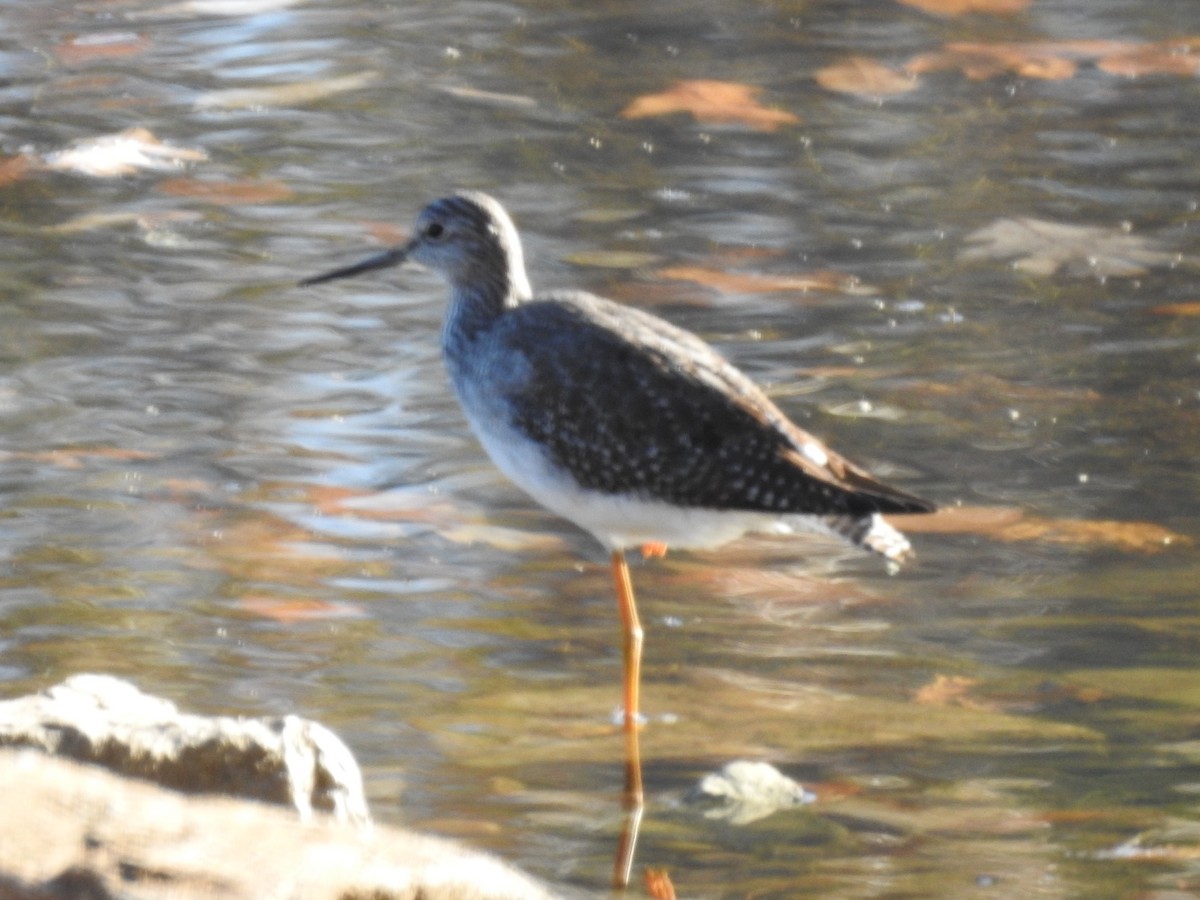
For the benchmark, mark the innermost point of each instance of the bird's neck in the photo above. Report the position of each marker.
(480, 297)
(478, 301)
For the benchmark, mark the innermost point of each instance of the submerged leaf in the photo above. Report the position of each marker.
(865, 76)
(714, 102)
(294, 94)
(743, 283)
(14, 168)
(103, 45)
(1040, 247)
(613, 259)
(1190, 308)
(76, 457)
(488, 98)
(1008, 524)
(1140, 537)
(226, 193)
(951, 690)
(1042, 60)
(1177, 56)
(123, 153)
(287, 610)
(952, 8)
(508, 540)
(149, 223)
(982, 61)
(383, 506)
(1148, 685)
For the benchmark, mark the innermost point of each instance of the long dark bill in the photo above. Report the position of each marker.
(392, 257)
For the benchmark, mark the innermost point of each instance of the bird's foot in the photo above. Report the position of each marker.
(654, 550)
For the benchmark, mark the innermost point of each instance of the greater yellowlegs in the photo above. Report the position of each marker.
(634, 429)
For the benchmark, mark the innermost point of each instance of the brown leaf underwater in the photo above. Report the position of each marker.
(1010, 525)
(711, 102)
(748, 283)
(1188, 308)
(77, 457)
(1175, 56)
(955, 8)
(15, 168)
(81, 49)
(290, 610)
(952, 690)
(1038, 60)
(980, 61)
(866, 77)
(226, 193)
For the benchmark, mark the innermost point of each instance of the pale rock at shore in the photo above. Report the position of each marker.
(128, 814)
(105, 720)
(76, 832)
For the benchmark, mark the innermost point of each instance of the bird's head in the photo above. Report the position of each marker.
(467, 237)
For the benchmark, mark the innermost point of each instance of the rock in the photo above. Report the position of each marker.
(104, 720)
(76, 832)
(747, 791)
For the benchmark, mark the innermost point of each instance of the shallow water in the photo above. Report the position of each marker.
(257, 499)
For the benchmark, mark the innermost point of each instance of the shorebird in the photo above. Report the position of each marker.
(632, 428)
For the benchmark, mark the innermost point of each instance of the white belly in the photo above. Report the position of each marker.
(618, 521)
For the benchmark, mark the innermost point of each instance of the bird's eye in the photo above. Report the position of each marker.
(434, 230)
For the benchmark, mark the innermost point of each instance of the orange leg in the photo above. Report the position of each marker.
(631, 628)
(631, 633)
(654, 550)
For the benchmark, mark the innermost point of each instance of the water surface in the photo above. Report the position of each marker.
(256, 499)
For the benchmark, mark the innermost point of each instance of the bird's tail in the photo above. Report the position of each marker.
(871, 532)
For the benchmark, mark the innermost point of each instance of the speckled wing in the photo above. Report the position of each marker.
(630, 404)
